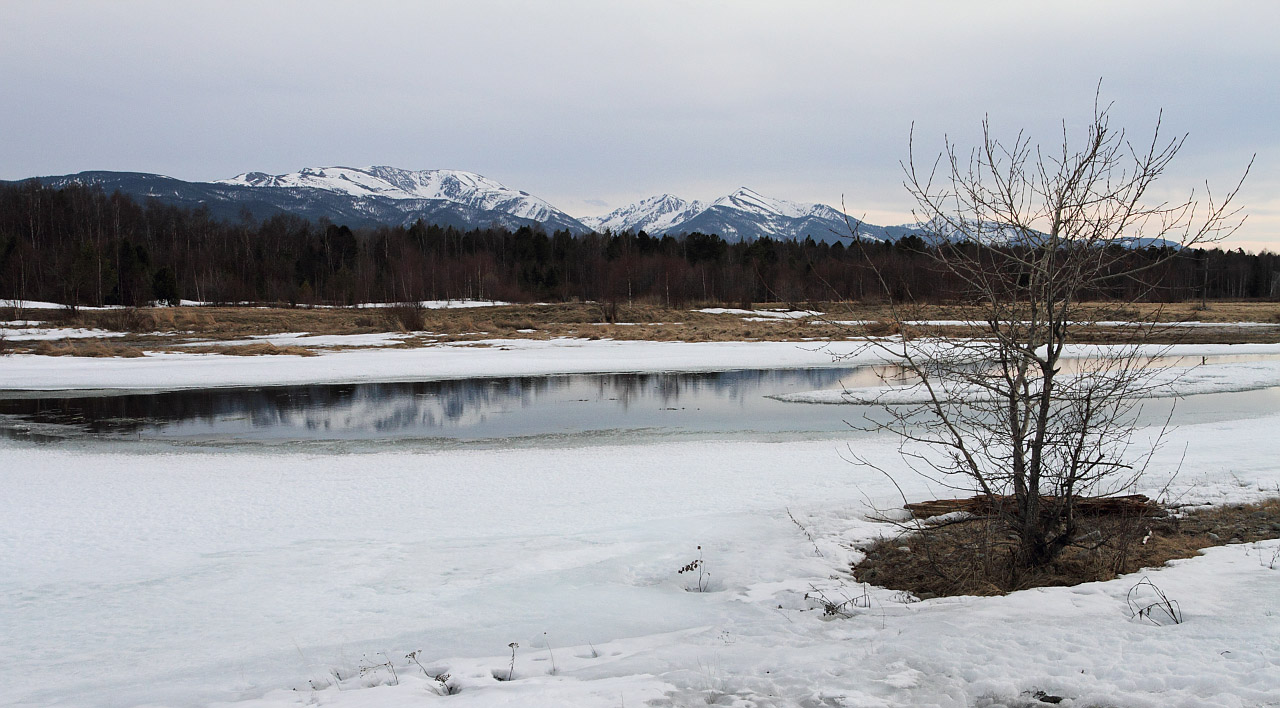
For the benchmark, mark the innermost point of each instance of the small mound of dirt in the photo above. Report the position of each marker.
(975, 556)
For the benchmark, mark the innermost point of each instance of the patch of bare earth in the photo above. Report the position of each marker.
(974, 556)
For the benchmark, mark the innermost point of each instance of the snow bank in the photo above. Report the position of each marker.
(516, 357)
(440, 304)
(1100, 323)
(42, 305)
(429, 304)
(758, 314)
(1164, 383)
(306, 339)
(32, 334)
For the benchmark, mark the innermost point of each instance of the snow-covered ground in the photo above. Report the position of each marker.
(497, 357)
(980, 324)
(429, 304)
(23, 331)
(44, 305)
(266, 576)
(306, 339)
(1185, 378)
(443, 304)
(762, 315)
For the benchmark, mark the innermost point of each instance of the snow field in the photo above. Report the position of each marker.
(152, 575)
(158, 575)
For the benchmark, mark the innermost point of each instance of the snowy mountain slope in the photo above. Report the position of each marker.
(382, 183)
(654, 215)
(740, 216)
(751, 202)
(355, 197)
(993, 234)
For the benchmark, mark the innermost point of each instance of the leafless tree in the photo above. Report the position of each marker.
(1016, 413)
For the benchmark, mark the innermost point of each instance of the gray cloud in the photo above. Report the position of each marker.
(590, 102)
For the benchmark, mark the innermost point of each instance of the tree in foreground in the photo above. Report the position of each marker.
(1017, 414)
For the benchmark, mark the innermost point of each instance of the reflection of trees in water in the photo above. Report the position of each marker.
(391, 407)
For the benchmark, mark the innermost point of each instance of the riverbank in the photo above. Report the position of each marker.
(253, 331)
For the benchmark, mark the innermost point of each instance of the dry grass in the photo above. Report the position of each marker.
(974, 557)
(124, 320)
(406, 316)
(174, 328)
(256, 349)
(97, 348)
(1217, 311)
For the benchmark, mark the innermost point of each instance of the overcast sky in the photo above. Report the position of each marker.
(592, 105)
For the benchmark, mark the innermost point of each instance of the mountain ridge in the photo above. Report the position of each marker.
(382, 194)
(743, 214)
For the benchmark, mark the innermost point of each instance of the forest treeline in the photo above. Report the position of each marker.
(81, 246)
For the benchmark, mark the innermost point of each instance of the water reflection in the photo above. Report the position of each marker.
(717, 404)
(467, 409)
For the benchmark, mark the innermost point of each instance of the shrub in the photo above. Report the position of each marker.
(407, 316)
(129, 319)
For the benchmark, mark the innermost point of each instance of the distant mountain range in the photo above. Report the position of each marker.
(356, 197)
(741, 216)
(388, 195)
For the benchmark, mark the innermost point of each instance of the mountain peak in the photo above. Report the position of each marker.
(742, 214)
(473, 199)
(385, 182)
(653, 214)
(751, 201)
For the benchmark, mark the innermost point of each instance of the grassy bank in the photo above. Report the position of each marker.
(181, 328)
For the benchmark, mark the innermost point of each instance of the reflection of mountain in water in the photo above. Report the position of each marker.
(420, 408)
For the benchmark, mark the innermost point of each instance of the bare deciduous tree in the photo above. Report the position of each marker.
(1015, 413)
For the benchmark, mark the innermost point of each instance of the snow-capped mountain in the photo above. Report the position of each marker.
(406, 188)
(994, 234)
(344, 195)
(741, 215)
(654, 215)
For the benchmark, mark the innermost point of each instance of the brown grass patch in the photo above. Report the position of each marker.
(255, 349)
(129, 319)
(406, 317)
(97, 348)
(974, 557)
(632, 321)
(885, 328)
(1217, 311)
